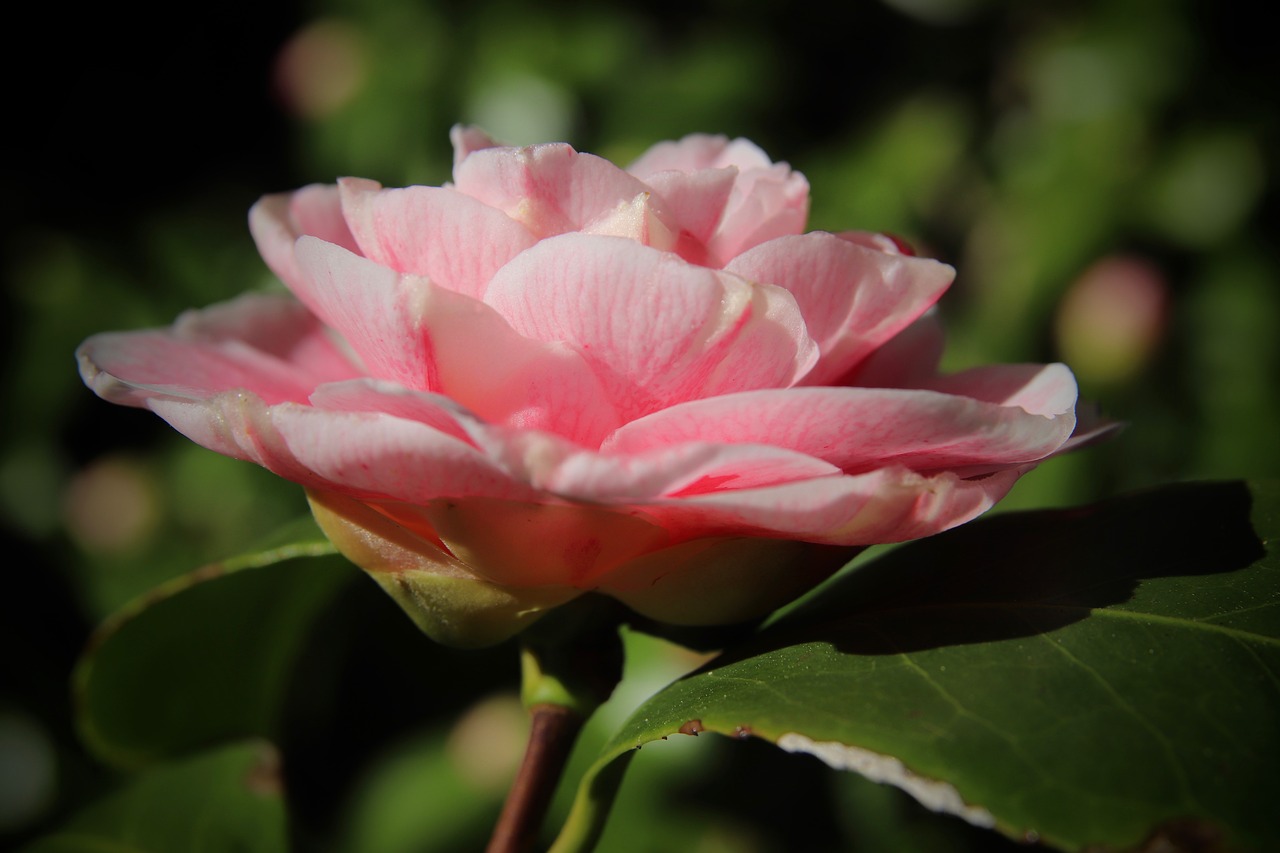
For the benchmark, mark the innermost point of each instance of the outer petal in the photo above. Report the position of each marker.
(270, 345)
(886, 505)
(563, 469)
(655, 329)
(277, 221)
(430, 339)
(861, 429)
(853, 298)
(368, 455)
(699, 151)
(549, 188)
(1045, 389)
(456, 241)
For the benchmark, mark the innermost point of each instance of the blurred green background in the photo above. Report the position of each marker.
(1101, 174)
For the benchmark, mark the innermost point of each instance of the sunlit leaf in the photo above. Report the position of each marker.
(1085, 676)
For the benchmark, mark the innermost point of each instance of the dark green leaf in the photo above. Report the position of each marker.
(1086, 676)
(208, 656)
(224, 800)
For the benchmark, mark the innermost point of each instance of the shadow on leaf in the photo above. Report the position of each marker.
(1025, 573)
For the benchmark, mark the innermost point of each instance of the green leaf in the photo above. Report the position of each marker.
(224, 800)
(207, 656)
(1084, 676)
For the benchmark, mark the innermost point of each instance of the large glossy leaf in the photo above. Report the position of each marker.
(1085, 677)
(229, 799)
(206, 657)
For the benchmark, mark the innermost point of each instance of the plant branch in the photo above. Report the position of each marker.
(551, 738)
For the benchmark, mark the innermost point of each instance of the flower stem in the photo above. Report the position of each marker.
(570, 661)
(551, 738)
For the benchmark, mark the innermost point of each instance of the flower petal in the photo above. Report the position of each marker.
(885, 505)
(861, 429)
(853, 298)
(450, 238)
(765, 204)
(467, 139)
(655, 329)
(270, 345)
(362, 454)
(549, 188)
(428, 338)
(277, 221)
(1041, 389)
(699, 151)
(573, 473)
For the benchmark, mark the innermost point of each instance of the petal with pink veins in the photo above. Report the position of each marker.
(389, 398)
(1041, 389)
(573, 473)
(699, 151)
(859, 429)
(428, 338)
(909, 359)
(854, 299)
(696, 200)
(655, 329)
(270, 345)
(765, 204)
(549, 188)
(437, 232)
(885, 505)
(277, 221)
(362, 454)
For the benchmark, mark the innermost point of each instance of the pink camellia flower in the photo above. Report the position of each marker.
(555, 376)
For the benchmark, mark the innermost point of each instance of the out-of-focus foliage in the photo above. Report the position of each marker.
(1101, 174)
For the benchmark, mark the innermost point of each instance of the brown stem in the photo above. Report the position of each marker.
(551, 738)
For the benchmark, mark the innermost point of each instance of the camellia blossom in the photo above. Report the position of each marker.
(555, 376)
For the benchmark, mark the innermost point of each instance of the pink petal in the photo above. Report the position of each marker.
(270, 345)
(428, 338)
(436, 232)
(696, 200)
(859, 429)
(379, 395)
(361, 454)
(277, 221)
(574, 473)
(853, 299)
(550, 188)
(886, 505)
(907, 360)
(1041, 389)
(699, 151)
(655, 329)
(640, 220)
(467, 139)
(765, 204)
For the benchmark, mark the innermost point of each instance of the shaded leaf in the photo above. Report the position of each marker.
(229, 799)
(207, 656)
(1085, 676)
